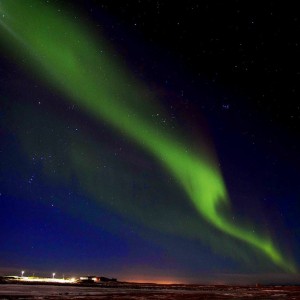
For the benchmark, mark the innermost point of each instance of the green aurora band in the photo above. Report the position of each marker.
(66, 54)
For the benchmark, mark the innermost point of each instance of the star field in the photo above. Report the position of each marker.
(149, 140)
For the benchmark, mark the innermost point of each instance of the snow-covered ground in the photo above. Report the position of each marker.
(20, 291)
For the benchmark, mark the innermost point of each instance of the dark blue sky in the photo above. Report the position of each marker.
(226, 71)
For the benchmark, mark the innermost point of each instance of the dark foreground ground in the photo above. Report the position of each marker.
(145, 291)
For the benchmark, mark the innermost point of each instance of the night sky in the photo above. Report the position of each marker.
(149, 140)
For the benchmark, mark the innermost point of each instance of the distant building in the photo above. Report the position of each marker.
(96, 279)
(89, 279)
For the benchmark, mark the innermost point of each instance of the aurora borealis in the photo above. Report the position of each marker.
(81, 69)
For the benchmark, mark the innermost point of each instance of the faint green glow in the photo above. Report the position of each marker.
(83, 67)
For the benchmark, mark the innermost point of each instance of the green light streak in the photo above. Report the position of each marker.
(84, 68)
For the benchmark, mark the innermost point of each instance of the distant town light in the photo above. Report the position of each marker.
(22, 273)
(53, 274)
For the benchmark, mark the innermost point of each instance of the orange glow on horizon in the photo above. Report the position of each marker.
(154, 280)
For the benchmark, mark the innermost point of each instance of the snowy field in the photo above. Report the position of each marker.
(41, 292)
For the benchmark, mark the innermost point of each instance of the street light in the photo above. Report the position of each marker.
(22, 273)
(53, 274)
